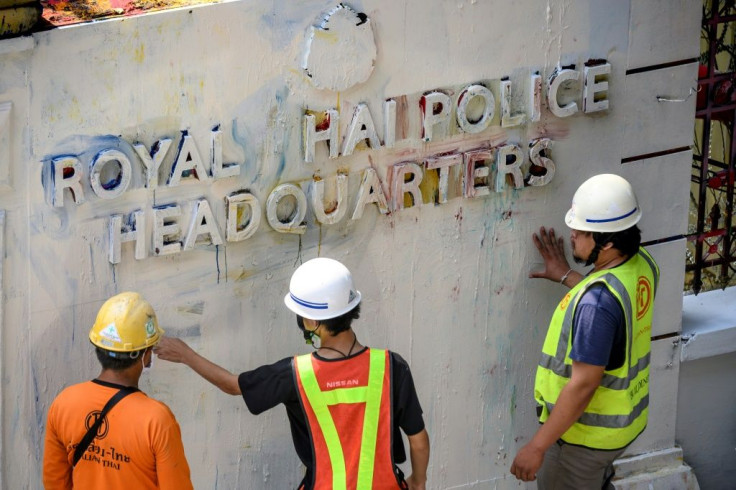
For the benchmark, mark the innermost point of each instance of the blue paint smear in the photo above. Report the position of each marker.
(285, 20)
(83, 148)
(40, 419)
(271, 133)
(240, 138)
(217, 262)
(280, 96)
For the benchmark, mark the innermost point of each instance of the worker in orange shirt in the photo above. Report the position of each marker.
(106, 433)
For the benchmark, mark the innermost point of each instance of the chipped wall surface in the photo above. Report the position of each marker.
(224, 104)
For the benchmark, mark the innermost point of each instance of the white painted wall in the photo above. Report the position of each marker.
(706, 429)
(444, 285)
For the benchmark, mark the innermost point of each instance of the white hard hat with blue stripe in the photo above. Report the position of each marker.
(604, 203)
(320, 289)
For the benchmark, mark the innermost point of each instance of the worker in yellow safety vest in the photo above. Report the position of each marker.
(592, 383)
(345, 402)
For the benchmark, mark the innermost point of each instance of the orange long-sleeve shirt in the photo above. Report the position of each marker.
(137, 447)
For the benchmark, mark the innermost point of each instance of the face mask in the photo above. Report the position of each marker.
(308, 334)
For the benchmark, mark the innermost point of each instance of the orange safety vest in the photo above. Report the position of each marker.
(348, 408)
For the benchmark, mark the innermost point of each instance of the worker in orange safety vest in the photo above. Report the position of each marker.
(345, 402)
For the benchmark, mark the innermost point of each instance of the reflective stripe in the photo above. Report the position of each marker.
(370, 420)
(356, 394)
(320, 401)
(611, 421)
(655, 269)
(567, 322)
(608, 220)
(608, 381)
(326, 424)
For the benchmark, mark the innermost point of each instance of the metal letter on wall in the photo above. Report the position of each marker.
(473, 172)
(340, 208)
(536, 148)
(489, 108)
(508, 162)
(58, 181)
(328, 132)
(116, 187)
(220, 170)
(295, 222)
(238, 228)
(444, 164)
(133, 230)
(153, 160)
(400, 186)
(188, 160)
(553, 86)
(166, 231)
(435, 112)
(370, 191)
(592, 100)
(507, 118)
(389, 123)
(535, 96)
(361, 129)
(202, 223)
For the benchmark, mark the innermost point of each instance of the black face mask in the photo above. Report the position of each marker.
(593, 255)
(599, 243)
(308, 335)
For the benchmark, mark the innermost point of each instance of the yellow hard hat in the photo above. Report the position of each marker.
(125, 323)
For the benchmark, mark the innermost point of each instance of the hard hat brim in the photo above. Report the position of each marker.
(318, 311)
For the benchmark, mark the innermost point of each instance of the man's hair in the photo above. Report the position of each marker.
(121, 360)
(342, 322)
(626, 241)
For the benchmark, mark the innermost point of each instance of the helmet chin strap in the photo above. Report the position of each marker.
(308, 334)
(597, 249)
(593, 254)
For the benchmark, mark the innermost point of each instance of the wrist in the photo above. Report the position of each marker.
(189, 357)
(565, 276)
(538, 445)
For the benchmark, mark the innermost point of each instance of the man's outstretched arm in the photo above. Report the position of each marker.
(175, 350)
(419, 454)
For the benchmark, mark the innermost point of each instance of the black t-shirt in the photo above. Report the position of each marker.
(269, 385)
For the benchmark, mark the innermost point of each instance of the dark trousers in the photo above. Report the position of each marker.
(568, 467)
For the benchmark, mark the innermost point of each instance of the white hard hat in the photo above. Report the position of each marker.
(604, 203)
(320, 289)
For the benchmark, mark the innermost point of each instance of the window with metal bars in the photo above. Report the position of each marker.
(711, 245)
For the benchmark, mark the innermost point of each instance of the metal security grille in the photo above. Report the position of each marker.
(711, 250)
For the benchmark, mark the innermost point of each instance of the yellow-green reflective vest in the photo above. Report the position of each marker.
(618, 411)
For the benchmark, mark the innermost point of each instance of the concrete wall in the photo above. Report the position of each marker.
(706, 428)
(445, 283)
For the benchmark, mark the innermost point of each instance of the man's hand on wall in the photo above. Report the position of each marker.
(552, 250)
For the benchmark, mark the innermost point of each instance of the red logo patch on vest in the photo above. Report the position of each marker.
(643, 297)
(565, 301)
